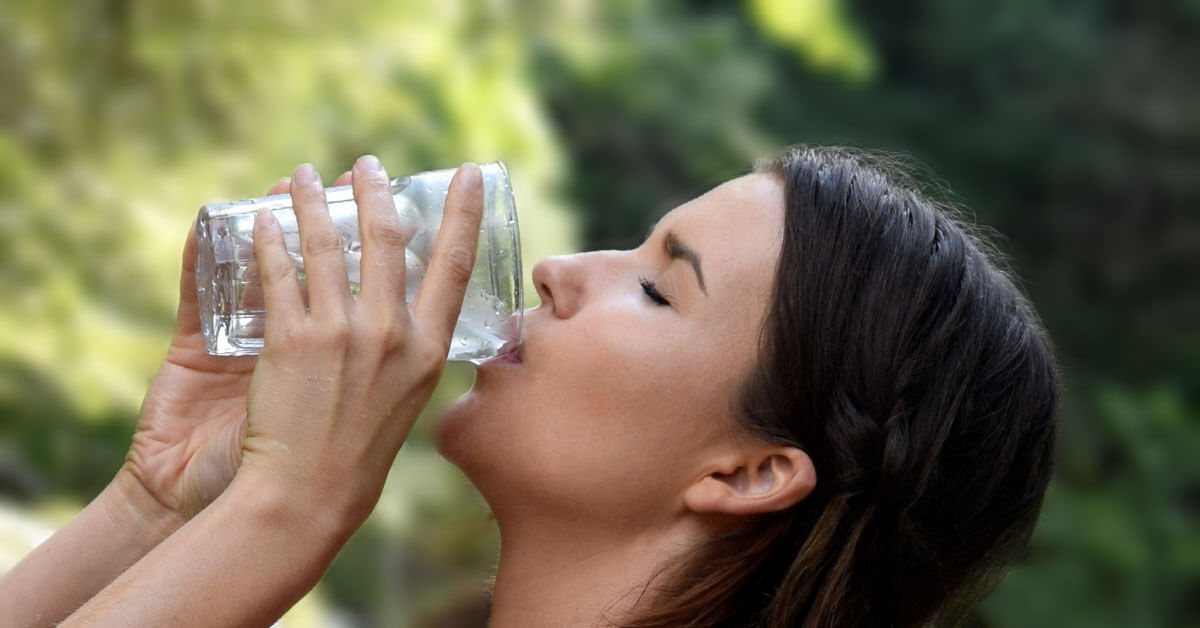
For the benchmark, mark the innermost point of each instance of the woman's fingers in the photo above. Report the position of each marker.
(321, 247)
(281, 186)
(281, 290)
(440, 296)
(187, 319)
(252, 294)
(285, 183)
(384, 238)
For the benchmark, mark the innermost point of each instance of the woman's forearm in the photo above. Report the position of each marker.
(243, 561)
(113, 532)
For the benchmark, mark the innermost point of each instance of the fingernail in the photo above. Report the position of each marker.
(472, 177)
(370, 163)
(264, 218)
(305, 175)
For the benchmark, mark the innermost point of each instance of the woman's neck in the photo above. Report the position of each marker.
(564, 576)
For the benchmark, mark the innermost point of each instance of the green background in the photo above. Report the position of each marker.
(1072, 128)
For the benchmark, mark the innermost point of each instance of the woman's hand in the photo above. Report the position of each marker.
(331, 398)
(188, 441)
(337, 388)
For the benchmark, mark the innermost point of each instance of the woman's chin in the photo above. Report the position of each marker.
(452, 431)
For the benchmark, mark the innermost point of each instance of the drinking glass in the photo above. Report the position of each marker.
(230, 293)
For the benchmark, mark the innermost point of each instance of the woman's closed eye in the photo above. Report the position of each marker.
(651, 291)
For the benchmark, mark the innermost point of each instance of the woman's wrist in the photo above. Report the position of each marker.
(134, 511)
(317, 505)
(258, 547)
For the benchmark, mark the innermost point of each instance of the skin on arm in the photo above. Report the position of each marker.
(186, 450)
(334, 394)
(115, 530)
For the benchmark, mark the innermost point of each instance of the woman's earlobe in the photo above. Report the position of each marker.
(767, 480)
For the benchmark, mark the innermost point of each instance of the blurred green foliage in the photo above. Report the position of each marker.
(1071, 127)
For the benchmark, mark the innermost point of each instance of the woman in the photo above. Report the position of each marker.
(808, 398)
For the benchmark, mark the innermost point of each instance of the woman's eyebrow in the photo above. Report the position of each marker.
(676, 249)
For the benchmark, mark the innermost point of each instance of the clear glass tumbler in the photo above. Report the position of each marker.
(230, 294)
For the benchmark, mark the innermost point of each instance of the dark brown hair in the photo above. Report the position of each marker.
(904, 361)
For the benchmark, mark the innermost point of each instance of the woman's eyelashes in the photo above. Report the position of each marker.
(652, 291)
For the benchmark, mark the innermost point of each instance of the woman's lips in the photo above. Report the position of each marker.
(510, 353)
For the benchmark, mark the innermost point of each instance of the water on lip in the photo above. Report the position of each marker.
(510, 347)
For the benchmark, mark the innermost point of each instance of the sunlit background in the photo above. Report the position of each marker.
(1072, 128)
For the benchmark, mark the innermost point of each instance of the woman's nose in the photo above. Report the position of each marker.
(559, 283)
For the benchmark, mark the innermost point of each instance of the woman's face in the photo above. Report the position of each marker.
(629, 368)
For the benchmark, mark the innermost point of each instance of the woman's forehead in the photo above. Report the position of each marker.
(747, 210)
(736, 228)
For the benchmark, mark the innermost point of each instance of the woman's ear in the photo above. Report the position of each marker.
(764, 480)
